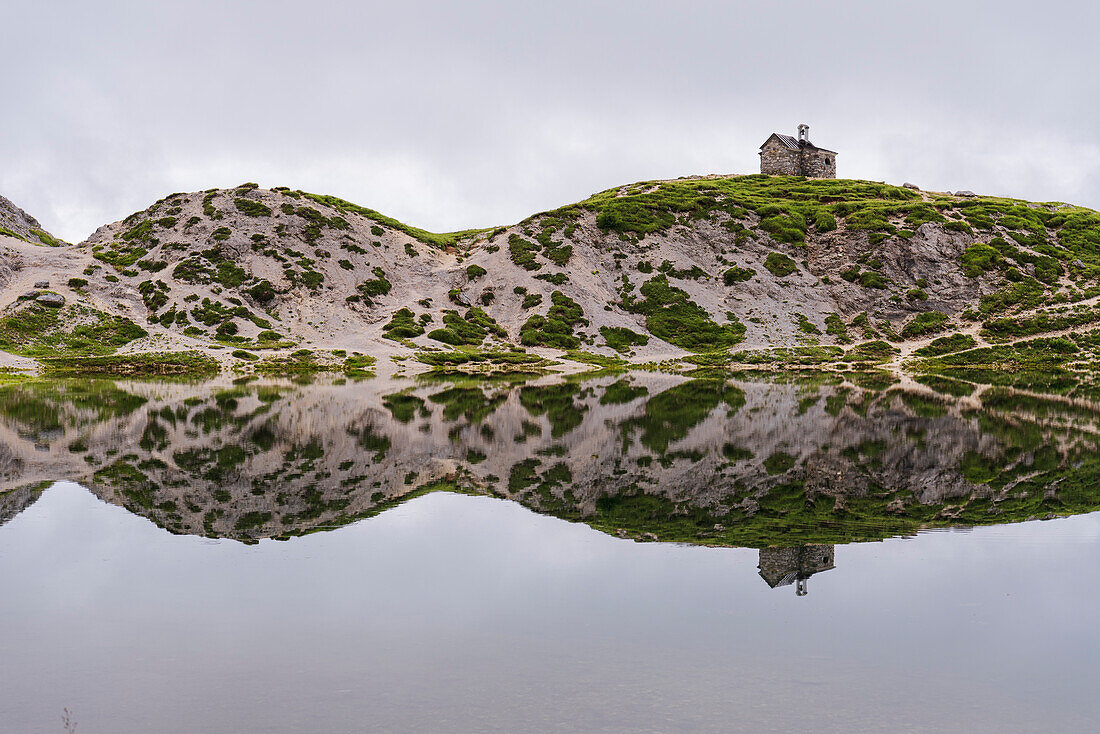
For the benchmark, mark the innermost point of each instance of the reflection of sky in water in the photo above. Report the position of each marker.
(468, 613)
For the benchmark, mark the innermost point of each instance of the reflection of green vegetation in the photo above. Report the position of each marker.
(1038, 364)
(38, 407)
(946, 385)
(371, 440)
(618, 393)
(402, 406)
(191, 364)
(779, 463)
(196, 466)
(671, 414)
(556, 402)
(470, 402)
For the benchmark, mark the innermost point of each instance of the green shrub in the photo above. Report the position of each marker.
(872, 351)
(475, 271)
(947, 345)
(825, 221)
(262, 292)
(77, 283)
(471, 329)
(671, 316)
(834, 326)
(621, 338)
(805, 325)
(379, 286)
(871, 279)
(925, 323)
(979, 258)
(402, 325)
(556, 328)
(779, 264)
(252, 208)
(737, 275)
(523, 252)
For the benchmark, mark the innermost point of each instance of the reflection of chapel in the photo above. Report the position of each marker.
(785, 566)
(782, 155)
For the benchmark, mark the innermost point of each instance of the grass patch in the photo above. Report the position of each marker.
(621, 339)
(780, 265)
(671, 316)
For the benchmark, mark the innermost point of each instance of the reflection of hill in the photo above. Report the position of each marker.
(645, 455)
(14, 501)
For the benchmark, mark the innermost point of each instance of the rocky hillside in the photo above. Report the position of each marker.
(14, 222)
(653, 270)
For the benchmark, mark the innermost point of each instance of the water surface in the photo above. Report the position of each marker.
(283, 557)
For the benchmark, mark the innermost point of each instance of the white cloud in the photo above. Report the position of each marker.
(456, 115)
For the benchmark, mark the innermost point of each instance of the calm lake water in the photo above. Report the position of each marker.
(635, 552)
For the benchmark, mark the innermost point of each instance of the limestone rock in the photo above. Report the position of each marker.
(56, 300)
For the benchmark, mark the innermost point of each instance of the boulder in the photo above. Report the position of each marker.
(56, 300)
(965, 193)
(913, 186)
(42, 284)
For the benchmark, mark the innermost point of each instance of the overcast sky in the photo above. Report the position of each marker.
(450, 115)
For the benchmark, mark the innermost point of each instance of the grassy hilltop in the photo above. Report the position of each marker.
(712, 271)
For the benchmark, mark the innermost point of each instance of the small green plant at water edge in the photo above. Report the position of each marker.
(947, 345)
(621, 338)
(925, 323)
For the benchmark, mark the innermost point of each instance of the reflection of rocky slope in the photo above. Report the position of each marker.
(14, 501)
(646, 455)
